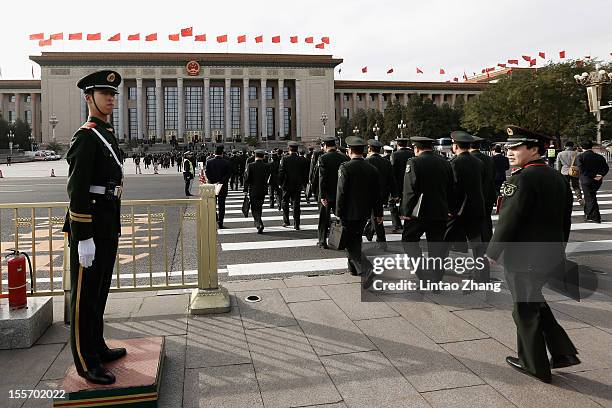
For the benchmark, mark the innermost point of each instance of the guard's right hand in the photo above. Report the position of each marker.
(87, 252)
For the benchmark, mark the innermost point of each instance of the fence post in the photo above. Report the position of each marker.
(209, 297)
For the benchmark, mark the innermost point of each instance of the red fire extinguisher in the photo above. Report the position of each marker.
(17, 279)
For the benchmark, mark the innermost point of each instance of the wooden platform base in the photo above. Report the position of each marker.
(138, 378)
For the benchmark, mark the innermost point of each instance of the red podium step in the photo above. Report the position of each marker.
(138, 378)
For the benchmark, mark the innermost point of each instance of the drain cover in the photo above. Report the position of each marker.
(252, 299)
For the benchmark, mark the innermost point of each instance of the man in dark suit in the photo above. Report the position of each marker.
(355, 202)
(256, 185)
(328, 165)
(398, 161)
(501, 166)
(593, 168)
(274, 188)
(218, 171)
(292, 176)
(386, 185)
(313, 173)
(488, 187)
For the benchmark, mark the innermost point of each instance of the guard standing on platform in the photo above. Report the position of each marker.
(95, 179)
(218, 171)
(328, 166)
(256, 178)
(292, 177)
(532, 231)
(398, 160)
(427, 194)
(355, 202)
(386, 186)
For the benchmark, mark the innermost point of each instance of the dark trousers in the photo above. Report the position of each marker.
(394, 209)
(256, 209)
(275, 194)
(234, 181)
(436, 247)
(462, 230)
(591, 207)
(88, 294)
(372, 227)
(294, 197)
(352, 231)
(187, 178)
(574, 183)
(324, 219)
(221, 205)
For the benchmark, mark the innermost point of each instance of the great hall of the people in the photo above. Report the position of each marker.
(216, 97)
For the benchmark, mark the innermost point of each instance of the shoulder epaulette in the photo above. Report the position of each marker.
(89, 125)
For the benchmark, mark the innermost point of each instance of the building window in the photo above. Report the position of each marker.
(345, 97)
(345, 112)
(270, 123)
(151, 109)
(252, 93)
(28, 117)
(115, 120)
(12, 98)
(171, 111)
(359, 97)
(217, 114)
(11, 116)
(269, 93)
(133, 120)
(287, 122)
(193, 108)
(371, 98)
(132, 93)
(253, 122)
(384, 98)
(28, 99)
(286, 93)
(235, 107)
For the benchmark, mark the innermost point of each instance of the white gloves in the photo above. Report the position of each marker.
(87, 252)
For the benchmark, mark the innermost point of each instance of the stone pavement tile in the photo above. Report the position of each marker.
(271, 311)
(478, 396)
(486, 358)
(146, 327)
(425, 364)
(173, 376)
(216, 340)
(502, 299)
(303, 294)
(163, 306)
(328, 329)
(595, 310)
(435, 321)
(27, 366)
(122, 308)
(256, 284)
(499, 324)
(321, 280)
(335, 405)
(227, 386)
(43, 385)
(456, 300)
(133, 294)
(57, 370)
(368, 379)
(289, 373)
(596, 384)
(58, 332)
(349, 298)
(593, 346)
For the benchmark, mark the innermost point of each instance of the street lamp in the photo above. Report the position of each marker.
(356, 131)
(11, 137)
(31, 142)
(339, 132)
(594, 82)
(53, 122)
(324, 121)
(401, 126)
(376, 129)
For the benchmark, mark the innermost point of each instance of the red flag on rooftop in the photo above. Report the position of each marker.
(200, 37)
(532, 62)
(187, 32)
(527, 58)
(94, 37)
(44, 43)
(276, 39)
(542, 55)
(259, 39)
(37, 36)
(134, 37)
(173, 37)
(151, 37)
(222, 38)
(390, 71)
(561, 54)
(513, 61)
(309, 40)
(418, 70)
(325, 40)
(320, 46)
(364, 70)
(294, 39)
(116, 37)
(241, 38)
(501, 65)
(75, 36)
(56, 36)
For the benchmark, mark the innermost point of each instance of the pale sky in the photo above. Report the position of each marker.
(454, 35)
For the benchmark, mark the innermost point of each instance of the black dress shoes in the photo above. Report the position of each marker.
(564, 361)
(260, 230)
(516, 364)
(98, 375)
(112, 354)
(297, 227)
(322, 245)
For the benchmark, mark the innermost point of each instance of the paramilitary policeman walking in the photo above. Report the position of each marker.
(488, 187)
(256, 178)
(218, 171)
(532, 231)
(95, 179)
(398, 160)
(292, 177)
(328, 166)
(386, 185)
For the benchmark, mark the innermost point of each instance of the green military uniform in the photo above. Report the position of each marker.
(533, 228)
(398, 160)
(386, 186)
(488, 187)
(94, 188)
(256, 179)
(292, 177)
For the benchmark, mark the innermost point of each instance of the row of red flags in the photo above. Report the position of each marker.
(185, 32)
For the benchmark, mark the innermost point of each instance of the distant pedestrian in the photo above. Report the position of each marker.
(566, 160)
(9, 159)
(137, 163)
(593, 168)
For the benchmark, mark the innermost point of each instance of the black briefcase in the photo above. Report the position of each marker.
(246, 203)
(336, 237)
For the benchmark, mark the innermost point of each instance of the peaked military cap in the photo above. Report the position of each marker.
(374, 143)
(422, 139)
(354, 141)
(460, 136)
(260, 152)
(518, 136)
(293, 144)
(329, 140)
(402, 139)
(105, 79)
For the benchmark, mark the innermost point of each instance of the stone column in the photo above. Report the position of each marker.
(263, 118)
(35, 114)
(181, 110)
(228, 111)
(122, 96)
(367, 100)
(380, 102)
(18, 108)
(83, 106)
(139, 110)
(159, 110)
(453, 99)
(354, 103)
(341, 103)
(298, 116)
(281, 109)
(207, 109)
(245, 108)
